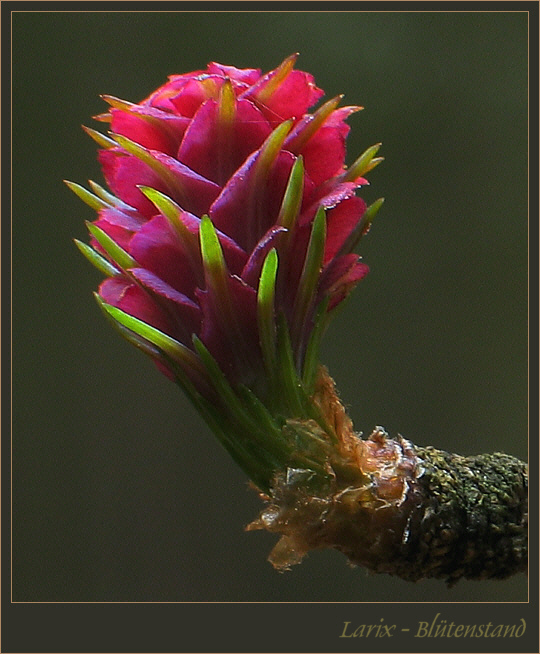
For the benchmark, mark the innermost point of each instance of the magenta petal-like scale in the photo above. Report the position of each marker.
(157, 247)
(193, 192)
(246, 76)
(129, 221)
(233, 342)
(144, 132)
(249, 205)
(124, 173)
(128, 296)
(342, 219)
(252, 269)
(118, 233)
(291, 99)
(324, 154)
(343, 274)
(185, 312)
(195, 92)
(202, 147)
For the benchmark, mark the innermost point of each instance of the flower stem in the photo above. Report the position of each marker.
(393, 507)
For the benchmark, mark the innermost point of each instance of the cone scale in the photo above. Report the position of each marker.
(226, 238)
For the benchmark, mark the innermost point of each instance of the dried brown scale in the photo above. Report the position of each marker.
(408, 511)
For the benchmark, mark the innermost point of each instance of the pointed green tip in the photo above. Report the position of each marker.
(102, 140)
(117, 253)
(274, 142)
(152, 160)
(88, 198)
(365, 162)
(276, 77)
(362, 228)
(373, 209)
(96, 259)
(132, 147)
(370, 214)
(212, 254)
(269, 270)
(166, 344)
(162, 202)
(226, 104)
(292, 199)
(127, 334)
(115, 102)
(266, 308)
(373, 164)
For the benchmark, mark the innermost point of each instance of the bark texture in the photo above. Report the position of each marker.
(474, 519)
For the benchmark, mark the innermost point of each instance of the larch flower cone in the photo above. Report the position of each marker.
(227, 240)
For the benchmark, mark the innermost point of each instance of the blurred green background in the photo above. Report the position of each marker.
(120, 492)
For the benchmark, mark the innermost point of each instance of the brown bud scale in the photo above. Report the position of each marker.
(414, 512)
